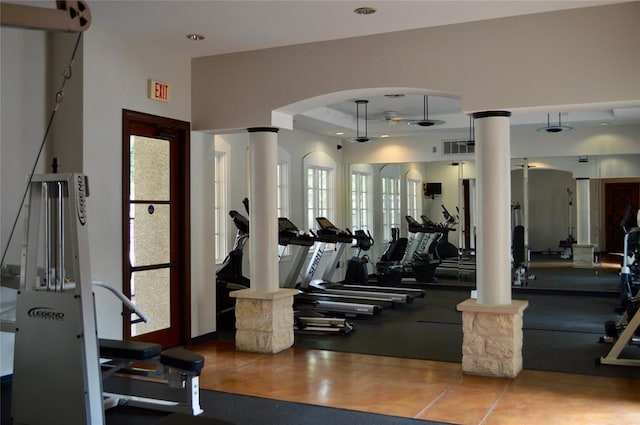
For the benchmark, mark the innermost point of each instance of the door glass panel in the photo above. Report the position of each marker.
(150, 292)
(150, 226)
(150, 177)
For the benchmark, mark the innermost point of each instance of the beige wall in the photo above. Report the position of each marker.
(576, 57)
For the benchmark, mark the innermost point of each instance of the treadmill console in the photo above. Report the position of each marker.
(286, 226)
(289, 234)
(327, 227)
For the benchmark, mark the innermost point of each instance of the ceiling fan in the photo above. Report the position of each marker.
(392, 118)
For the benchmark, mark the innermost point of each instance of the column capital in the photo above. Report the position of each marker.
(487, 114)
(263, 129)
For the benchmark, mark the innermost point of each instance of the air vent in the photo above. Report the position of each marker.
(458, 147)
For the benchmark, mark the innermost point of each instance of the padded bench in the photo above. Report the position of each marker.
(181, 370)
(133, 350)
(178, 358)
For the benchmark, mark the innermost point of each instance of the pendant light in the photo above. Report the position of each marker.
(361, 138)
(554, 128)
(472, 132)
(425, 121)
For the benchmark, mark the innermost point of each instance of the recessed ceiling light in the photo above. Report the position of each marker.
(603, 123)
(384, 135)
(195, 37)
(364, 10)
(339, 133)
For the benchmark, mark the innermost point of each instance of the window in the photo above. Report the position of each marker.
(319, 188)
(414, 194)
(318, 194)
(283, 196)
(281, 188)
(390, 200)
(361, 200)
(220, 206)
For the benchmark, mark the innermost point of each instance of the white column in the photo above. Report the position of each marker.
(461, 212)
(583, 221)
(525, 209)
(263, 243)
(493, 174)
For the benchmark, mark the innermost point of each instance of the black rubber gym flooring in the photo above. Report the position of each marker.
(562, 324)
(222, 408)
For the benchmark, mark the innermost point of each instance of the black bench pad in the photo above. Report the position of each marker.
(134, 350)
(180, 419)
(182, 359)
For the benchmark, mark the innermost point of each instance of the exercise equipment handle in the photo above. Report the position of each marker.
(131, 307)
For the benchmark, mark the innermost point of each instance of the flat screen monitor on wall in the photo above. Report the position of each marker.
(432, 189)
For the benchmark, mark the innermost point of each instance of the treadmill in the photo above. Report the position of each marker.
(289, 234)
(328, 233)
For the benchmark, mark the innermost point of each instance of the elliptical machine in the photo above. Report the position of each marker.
(229, 277)
(629, 280)
(436, 252)
(357, 267)
(391, 268)
(622, 332)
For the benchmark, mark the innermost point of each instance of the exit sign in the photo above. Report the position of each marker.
(158, 91)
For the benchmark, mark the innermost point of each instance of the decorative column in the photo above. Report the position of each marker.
(583, 248)
(525, 210)
(264, 312)
(492, 324)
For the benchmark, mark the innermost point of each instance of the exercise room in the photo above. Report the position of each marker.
(457, 237)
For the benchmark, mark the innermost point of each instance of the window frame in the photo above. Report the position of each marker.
(391, 200)
(360, 189)
(414, 193)
(318, 163)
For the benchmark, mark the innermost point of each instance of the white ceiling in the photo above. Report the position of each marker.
(239, 25)
(390, 116)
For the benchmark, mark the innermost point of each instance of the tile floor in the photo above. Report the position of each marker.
(420, 389)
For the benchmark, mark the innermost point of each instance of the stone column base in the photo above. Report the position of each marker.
(583, 256)
(264, 320)
(492, 338)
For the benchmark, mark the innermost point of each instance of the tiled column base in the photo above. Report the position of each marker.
(583, 256)
(492, 338)
(264, 320)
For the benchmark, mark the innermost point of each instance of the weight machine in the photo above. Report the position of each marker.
(56, 341)
(58, 353)
(58, 361)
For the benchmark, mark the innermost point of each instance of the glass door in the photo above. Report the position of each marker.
(155, 230)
